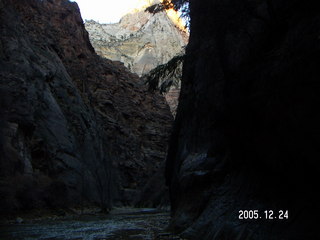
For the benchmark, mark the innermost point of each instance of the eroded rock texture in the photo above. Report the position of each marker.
(74, 127)
(142, 40)
(246, 134)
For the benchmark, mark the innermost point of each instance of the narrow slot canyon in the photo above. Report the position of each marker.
(176, 119)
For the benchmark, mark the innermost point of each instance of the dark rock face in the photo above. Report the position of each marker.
(246, 130)
(74, 127)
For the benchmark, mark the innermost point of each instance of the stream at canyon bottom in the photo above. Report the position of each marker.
(125, 224)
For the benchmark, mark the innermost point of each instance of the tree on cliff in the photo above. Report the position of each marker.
(182, 5)
(165, 75)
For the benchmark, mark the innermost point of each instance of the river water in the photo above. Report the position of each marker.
(120, 224)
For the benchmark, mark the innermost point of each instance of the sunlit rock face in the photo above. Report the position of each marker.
(246, 135)
(142, 39)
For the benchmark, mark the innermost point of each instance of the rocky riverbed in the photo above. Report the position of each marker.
(124, 223)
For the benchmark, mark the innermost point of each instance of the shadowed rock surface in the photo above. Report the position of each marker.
(246, 134)
(74, 127)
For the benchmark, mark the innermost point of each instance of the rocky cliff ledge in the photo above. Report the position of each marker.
(246, 135)
(74, 127)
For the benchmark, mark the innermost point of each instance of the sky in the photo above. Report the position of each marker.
(106, 11)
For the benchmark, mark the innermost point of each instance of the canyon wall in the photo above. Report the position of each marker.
(142, 40)
(246, 135)
(75, 128)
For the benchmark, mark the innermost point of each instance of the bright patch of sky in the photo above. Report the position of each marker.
(106, 11)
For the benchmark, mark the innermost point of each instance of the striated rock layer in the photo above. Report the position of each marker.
(246, 135)
(142, 40)
(74, 127)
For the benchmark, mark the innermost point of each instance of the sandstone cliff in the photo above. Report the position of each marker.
(142, 40)
(74, 127)
(246, 135)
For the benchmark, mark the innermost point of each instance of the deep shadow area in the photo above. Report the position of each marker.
(246, 135)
